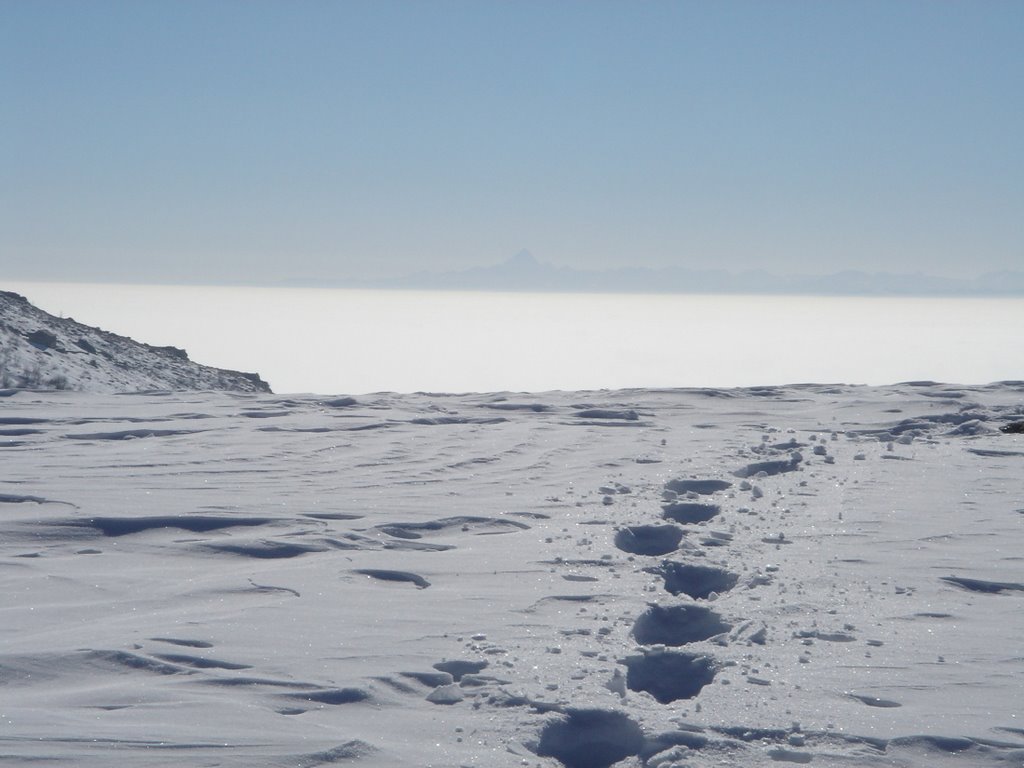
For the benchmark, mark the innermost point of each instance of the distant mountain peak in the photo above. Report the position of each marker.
(523, 272)
(523, 260)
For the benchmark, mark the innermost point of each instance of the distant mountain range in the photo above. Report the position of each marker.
(523, 272)
(41, 351)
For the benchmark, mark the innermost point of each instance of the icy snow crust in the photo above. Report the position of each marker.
(824, 575)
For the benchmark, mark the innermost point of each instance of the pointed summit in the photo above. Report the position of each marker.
(523, 260)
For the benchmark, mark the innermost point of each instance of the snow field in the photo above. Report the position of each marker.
(823, 575)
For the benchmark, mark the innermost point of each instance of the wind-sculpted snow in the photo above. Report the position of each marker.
(822, 575)
(130, 434)
(401, 576)
(980, 585)
(462, 524)
(124, 526)
(459, 668)
(17, 498)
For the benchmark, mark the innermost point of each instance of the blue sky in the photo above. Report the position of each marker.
(241, 141)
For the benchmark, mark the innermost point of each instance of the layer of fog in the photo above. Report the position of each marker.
(333, 340)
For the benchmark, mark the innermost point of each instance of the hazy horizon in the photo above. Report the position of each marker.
(349, 341)
(523, 273)
(267, 142)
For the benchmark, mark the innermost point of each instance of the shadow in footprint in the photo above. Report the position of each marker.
(696, 581)
(590, 738)
(703, 487)
(690, 512)
(677, 625)
(669, 676)
(649, 539)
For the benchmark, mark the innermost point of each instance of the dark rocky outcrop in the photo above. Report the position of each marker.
(41, 351)
(41, 339)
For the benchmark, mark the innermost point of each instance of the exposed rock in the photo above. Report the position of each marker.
(181, 354)
(41, 351)
(41, 339)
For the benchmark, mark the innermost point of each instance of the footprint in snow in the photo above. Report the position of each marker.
(690, 512)
(669, 675)
(677, 625)
(590, 738)
(696, 581)
(648, 539)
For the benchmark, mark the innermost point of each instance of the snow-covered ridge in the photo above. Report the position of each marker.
(41, 351)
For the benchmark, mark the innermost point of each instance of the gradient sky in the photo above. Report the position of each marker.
(249, 141)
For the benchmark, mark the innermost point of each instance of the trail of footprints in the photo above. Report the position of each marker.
(587, 737)
(578, 737)
(662, 668)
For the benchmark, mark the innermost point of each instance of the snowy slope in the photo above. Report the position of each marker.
(38, 350)
(823, 575)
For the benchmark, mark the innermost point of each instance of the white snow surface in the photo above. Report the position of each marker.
(237, 579)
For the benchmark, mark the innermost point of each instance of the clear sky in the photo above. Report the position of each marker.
(243, 140)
